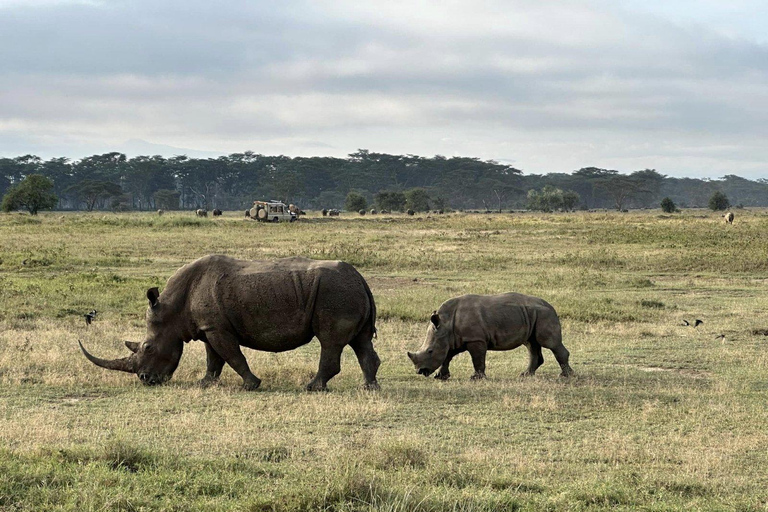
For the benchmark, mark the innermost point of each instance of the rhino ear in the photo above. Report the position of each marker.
(152, 295)
(435, 319)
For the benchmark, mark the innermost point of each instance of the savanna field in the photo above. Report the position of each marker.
(659, 416)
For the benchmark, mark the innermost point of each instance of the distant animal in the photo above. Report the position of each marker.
(89, 317)
(272, 306)
(373, 212)
(685, 323)
(216, 212)
(384, 212)
(410, 212)
(728, 217)
(160, 212)
(720, 337)
(361, 212)
(333, 213)
(324, 212)
(201, 213)
(697, 322)
(478, 323)
(248, 213)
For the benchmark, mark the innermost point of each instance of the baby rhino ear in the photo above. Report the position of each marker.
(152, 295)
(435, 319)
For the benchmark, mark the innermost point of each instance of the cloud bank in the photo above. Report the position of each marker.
(549, 86)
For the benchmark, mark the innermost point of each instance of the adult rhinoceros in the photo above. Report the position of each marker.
(264, 305)
(478, 323)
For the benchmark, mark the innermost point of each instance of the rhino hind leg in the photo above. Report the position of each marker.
(368, 359)
(227, 347)
(215, 364)
(549, 335)
(535, 358)
(477, 351)
(330, 366)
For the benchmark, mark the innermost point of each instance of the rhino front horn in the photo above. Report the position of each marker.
(125, 364)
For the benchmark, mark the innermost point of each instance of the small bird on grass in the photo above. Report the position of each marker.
(685, 323)
(698, 322)
(89, 317)
(720, 337)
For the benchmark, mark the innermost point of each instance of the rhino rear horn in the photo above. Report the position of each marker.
(125, 364)
(132, 346)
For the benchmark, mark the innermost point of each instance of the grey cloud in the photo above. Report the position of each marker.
(576, 80)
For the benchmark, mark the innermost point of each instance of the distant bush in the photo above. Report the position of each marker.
(355, 202)
(719, 201)
(668, 206)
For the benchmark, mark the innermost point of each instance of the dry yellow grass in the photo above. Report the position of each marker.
(659, 416)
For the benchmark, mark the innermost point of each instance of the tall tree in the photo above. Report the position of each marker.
(33, 193)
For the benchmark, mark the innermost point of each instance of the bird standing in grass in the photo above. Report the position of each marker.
(698, 322)
(89, 317)
(720, 337)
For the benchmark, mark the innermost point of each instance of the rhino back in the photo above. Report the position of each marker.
(275, 305)
(503, 321)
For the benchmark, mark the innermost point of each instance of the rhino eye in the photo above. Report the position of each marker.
(429, 351)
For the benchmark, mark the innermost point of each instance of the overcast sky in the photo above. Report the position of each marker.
(545, 85)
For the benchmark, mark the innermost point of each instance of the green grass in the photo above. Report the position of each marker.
(658, 417)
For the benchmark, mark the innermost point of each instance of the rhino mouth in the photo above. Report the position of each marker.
(150, 379)
(425, 372)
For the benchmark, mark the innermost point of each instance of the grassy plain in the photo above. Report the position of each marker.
(658, 417)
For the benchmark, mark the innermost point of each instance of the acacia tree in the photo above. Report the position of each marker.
(93, 192)
(34, 193)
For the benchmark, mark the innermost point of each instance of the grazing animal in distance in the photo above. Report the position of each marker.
(216, 212)
(89, 317)
(272, 306)
(201, 213)
(728, 217)
(478, 323)
(160, 212)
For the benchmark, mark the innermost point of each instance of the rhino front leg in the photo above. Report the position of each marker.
(228, 348)
(215, 363)
(444, 373)
(477, 350)
(330, 365)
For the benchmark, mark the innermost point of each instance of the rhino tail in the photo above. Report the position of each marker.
(372, 316)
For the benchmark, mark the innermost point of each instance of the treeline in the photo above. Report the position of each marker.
(113, 181)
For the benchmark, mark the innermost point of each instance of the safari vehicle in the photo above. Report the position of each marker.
(272, 211)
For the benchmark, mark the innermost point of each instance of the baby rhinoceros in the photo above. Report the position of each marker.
(478, 323)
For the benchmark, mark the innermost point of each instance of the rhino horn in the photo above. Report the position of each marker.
(132, 346)
(412, 356)
(125, 364)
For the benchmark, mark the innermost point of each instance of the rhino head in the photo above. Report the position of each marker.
(434, 350)
(157, 357)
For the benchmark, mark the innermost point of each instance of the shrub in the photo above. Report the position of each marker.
(668, 206)
(719, 201)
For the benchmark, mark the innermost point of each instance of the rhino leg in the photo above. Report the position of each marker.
(535, 359)
(368, 359)
(550, 336)
(477, 350)
(215, 363)
(228, 348)
(562, 355)
(330, 365)
(444, 373)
